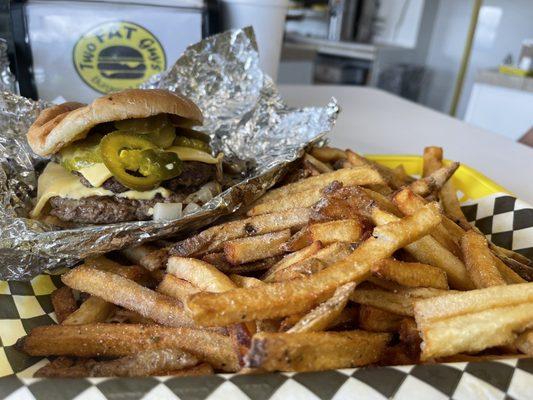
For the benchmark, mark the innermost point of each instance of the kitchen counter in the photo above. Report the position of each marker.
(373, 121)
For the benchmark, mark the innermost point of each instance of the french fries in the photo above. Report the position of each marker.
(120, 340)
(480, 261)
(285, 285)
(375, 319)
(126, 293)
(213, 239)
(290, 297)
(144, 363)
(474, 320)
(64, 303)
(411, 274)
(326, 313)
(244, 250)
(315, 351)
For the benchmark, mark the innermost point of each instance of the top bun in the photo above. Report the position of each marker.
(58, 126)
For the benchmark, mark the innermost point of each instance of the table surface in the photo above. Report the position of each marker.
(375, 122)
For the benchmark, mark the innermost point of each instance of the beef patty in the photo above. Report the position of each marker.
(194, 174)
(106, 209)
(111, 209)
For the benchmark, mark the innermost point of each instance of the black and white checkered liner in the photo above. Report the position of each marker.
(507, 221)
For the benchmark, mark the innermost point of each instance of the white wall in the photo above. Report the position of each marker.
(495, 38)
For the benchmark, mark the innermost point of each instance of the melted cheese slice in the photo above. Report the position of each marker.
(57, 181)
(98, 173)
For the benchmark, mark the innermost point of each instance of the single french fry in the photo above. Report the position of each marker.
(408, 202)
(507, 273)
(409, 335)
(198, 370)
(297, 241)
(350, 176)
(244, 250)
(411, 274)
(346, 230)
(133, 272)
(388, 175)
(213, 239)
(177, 288)
(432, 160)
(304, 199)
(328, 154)
(315, 351)
(292, 258)
(524, 342)
(511, 254)
(63, 302)
(392, 302)
(147, 256)
(219, 261)
(479, 261)
(325, 314)
(290, 297)
(319, 165)
(200, 274)
(435, 181)
(142, 364)
(92, 310)
(402, 176)
(299, 270)
(128, 294)
(375, 319)
(119, 340)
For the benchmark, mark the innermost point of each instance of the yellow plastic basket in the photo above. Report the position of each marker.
(471, 183)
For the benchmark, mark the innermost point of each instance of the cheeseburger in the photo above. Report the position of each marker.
(127, 156)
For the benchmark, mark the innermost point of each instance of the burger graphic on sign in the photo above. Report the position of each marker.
(115, 56)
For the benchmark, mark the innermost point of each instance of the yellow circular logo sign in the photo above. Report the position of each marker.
(118, 55)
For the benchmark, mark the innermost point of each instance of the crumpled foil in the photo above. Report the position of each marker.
(244, 115)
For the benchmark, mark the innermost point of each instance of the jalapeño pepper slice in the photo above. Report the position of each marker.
(192, 143)
(137, 162)
(157, 129)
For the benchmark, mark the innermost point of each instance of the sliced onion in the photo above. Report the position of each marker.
(167, 211)
(202, 195)
(190, 208)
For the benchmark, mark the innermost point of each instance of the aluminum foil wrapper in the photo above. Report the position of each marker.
(244, 115)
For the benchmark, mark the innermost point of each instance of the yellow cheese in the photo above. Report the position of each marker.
(96, 174)
(57, 181)
(189, 154)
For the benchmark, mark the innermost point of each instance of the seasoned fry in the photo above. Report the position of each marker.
(92, 310)
(305, 198)
(200, 274)
(297, 241)
(350, 176)
(434, 182)
(409, 335)
(134, 272)
(213, 239)
(64, 303)
(432, 160)
(327, 154)
(198, 370)
(219, 261)
(408, 202)
(315, 351)
(142, 364)
(480, 261)
(321, 166)
(244, 250)
(392, 302)
(177, 288)
(389, 176)
(128, 294)
(299, 270)
(474, 320)
(375, 319)
(346, 230)
(119, 340)
(411, 274)
(326, 313)
(290, 297)
(291, 259)
(524, 342)
(507, 273)
(145, 255)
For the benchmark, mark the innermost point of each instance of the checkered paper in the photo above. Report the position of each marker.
(507, 221)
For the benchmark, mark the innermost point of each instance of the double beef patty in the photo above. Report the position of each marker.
(111, 209)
